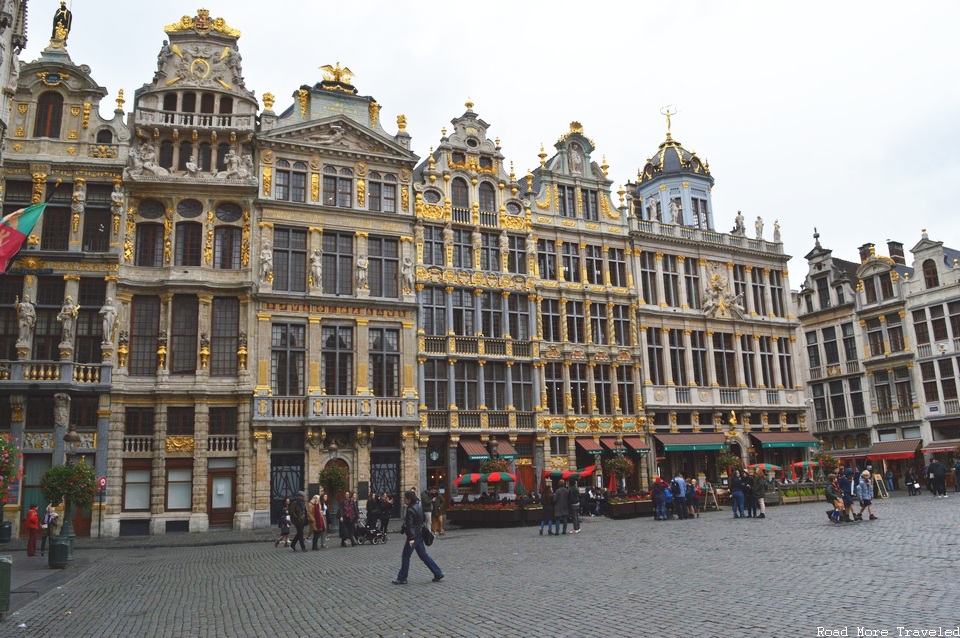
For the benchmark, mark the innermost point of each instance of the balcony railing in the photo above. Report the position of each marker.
(481, 420)
(55, 371)
(841, 424)
(683, 395)
(486, 346)
(816, 373)
(853, 367)
(896, 416)
(298, 408)
(729, 396)
(138, 444)
(221, 444)
(196, 120)
(773, 397)
(923, 350)
(760, 398)
(951, 406)
(462, 215)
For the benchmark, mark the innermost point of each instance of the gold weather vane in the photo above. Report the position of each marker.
(336, 73)
(667, 111)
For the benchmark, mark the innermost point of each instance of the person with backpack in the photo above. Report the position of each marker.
(575, 506)
(668, 499)
(413, 527)
(657, 491)
(298, 516)
(678, 486)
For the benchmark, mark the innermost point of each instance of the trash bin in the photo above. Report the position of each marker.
(6, 564)
(58, 552)
(6, 531)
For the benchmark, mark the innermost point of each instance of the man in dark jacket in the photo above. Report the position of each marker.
(575, 506)
(561, 507)
(938, 474)
(413, 527)
(298, 516)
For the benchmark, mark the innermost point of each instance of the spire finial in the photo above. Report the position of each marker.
(816, 237)
(468, 104)
(667, 111)
(542, 155)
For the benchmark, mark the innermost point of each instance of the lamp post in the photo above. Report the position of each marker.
(70, 439)
(335, 520)
(494, 456)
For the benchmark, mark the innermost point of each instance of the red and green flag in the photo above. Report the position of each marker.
(14, 229)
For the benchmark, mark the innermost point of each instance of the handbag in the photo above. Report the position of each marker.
(428, 537)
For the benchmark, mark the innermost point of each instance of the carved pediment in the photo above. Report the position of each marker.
(339, 133)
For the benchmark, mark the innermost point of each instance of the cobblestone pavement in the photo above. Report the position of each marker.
(785, 575)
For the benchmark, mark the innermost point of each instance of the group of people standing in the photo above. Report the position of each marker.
(749, 494)
(843, 489)
(560, 507)
(315, 518)
(45, 528)
(680, 497)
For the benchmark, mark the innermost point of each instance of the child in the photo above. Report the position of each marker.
(284, 524)
(865, 493)
(833, 495)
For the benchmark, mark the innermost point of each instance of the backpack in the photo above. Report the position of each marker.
(674, 487)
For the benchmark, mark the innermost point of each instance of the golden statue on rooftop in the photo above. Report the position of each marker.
(340, 74)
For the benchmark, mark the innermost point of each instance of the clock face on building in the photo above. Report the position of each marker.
(434, 455)
(513, 208)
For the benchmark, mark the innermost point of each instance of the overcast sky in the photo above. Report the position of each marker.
(840, 115)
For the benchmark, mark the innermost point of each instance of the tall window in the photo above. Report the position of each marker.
(691, 282)
(679, 367)
(290, 259)
(521, 377)
(655, 356)
(384, 267)
(895, 333)
(903, 386)
(433, 250)
(593, 261)
(287, 355)
(748, 357)
(490, 252)
(786, 363)
(144, 330)
(435, 382)
(179, 484)
(823, 292)
(11, 288)
(740, 282)
(671, 281)
(759, 299)
(180, 421)
(518, 316)
(588, 199)
(226, 247)
(850, 351)
(699, 212)
(723, 357)
(189, 242)
(875, 337)
(488, 198)
(491, 314)
(938, 323)
(495, 386)
(553, 376)
(886, 286)
(165, 156)
(928, 373)
(433, 311)
(224, 340)
(617, 267)
(575, 328)
(920, 326)
(291, 181)
(55, 221)
(89, 326)
(517, 256)
(930, 277)
(464, 313)
(857, 405)
(766, 362)
(550, 317)
(571, 262)
(777, 295)
(830, 348)
(953, 307)
(813, 349)
(463, 249)
(383, 192)
(49, 115)
(882, 390)
(621, 324)
(698, 347)
(598, 324)
(648, 278)
(566, 198)
(579, 389)
(136, 485)
(820, 402)
(547, 259)
(465, 385)
(869, 289)
(337, 263)
(96, 219)
(603, 389)
(47, 330)
(626, 389)
(385, 362)
(459, 194)
(83, 411)
(149, 251)
(281, 180)
(183, 337)
(337, 356)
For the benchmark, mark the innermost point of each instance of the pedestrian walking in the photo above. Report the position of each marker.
(298, 516)
(760, 486)
(349, 515)
(48, 527)
(848, 488)
(678, 487)
(736, 493)
(413, 526)
(546, 500)
(911, 478)
(373, 511)
(439, 506)
(318, 523)
(865, 494)
(833, 495)
(425, 500)
(937, 475)
(575, 506)
(284, 524)
(658, 490)
(386, 507)
(33, 529)
(561, 507)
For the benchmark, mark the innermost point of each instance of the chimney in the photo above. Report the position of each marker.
(895, 249)
(866, 251)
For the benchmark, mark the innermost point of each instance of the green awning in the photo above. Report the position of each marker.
(707, 442)
(785, 439)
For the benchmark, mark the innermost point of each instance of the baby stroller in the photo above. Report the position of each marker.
(368, 533)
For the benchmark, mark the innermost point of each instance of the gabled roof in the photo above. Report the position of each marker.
(337, 132)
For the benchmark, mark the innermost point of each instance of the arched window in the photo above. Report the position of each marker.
(206, 103)
(170, 102)
(189, 103)
(149, 251)
(49, 115)
(930, 277)
(488, 198)
(186, 155)
(222, 151)
(383, 192)
(166, 154)
(226, 105)
(281, 180)
(189, 239)
(105, 136)
(459, 195)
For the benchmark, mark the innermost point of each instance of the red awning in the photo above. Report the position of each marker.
(636, 443)
(694, 442)
(892, 450)
(940, 446)
(610, 442)
(589, 445)
(474, 449)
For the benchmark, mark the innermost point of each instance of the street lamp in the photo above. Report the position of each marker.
(70, 439)
(335, 519)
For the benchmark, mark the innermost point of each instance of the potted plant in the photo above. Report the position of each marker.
(728, 463)
(74, 484)
(334, 479)
(10, 472)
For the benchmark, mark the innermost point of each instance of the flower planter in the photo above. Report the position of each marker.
(620, 510)
(485, 517)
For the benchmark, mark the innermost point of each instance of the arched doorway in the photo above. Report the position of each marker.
(333, 499)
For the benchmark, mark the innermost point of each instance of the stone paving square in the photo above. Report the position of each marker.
(785, 575)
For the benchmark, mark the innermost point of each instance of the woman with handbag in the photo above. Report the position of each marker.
(48, 527)
(317, 523)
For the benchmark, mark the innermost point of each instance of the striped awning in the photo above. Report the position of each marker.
(892, 450)
(506, 451)
(588, 445)
(636, 444)
(610, 442)
(704, 442)
(474, 449)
